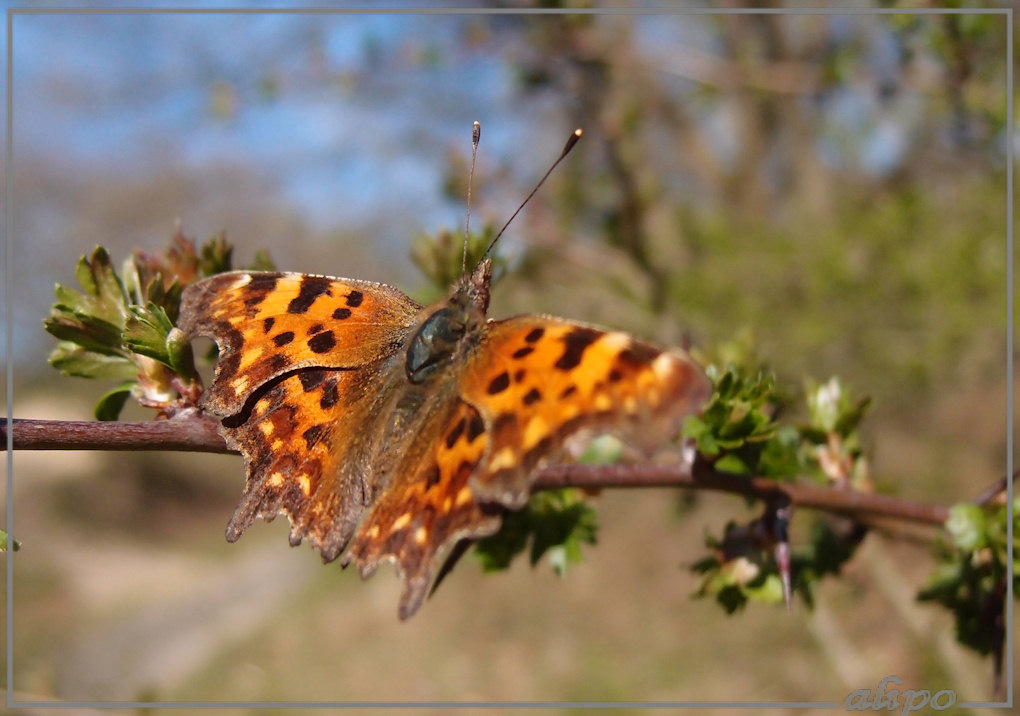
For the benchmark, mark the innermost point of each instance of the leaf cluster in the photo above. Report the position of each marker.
(739, 432)
(120, 326)
(555, 523)
(442, 259)
(970, 580)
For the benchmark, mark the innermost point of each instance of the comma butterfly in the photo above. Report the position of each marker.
(395, 430)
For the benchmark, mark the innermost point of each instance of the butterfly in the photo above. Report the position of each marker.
(388, 430)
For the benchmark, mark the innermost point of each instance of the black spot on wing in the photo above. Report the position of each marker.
(454, 435)
(638, 354)
(540, 448)
(503, 422)
(534, 335)
(311, 288)
(498, 384)
(432, 477)
(330, 394)
(230, 357)
(476, 427)
(322, 343)
(342, 313)
(258, 288)
(354, 299)
(576, 343)
(521, 352)
(277, 362)
(311, 379)
(282, 339)
(312, 435)
(532, 396)
(267, 325)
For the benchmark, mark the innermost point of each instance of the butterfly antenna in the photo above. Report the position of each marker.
(476, 134)
(566, 150)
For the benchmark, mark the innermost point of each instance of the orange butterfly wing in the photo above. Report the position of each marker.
(301, 362)
(428, 510)
(538, 379)
(311, 381)
(269, 323)
(531, 383)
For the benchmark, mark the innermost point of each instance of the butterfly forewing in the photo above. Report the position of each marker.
(268, 323)
(300, 382)
(536, 379)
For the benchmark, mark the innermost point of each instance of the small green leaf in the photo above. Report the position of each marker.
(561, 520)
(497, 552)
(602, 450)
(5, 542)
(182, 358)
(86, 278)
(262, 262)
(106, 296)
(851, 418)
(215, 256)
(90, 332)
(781, 458)
(71, 301)
(110, 405)
(831, 408)
(966, 525)
(732, 464)
(146, 333)
(731, 598)
(71, 359)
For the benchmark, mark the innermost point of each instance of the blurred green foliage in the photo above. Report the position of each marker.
(738, 432)
(121, 326)
(555, 523)
(5, 541)
(973, 570)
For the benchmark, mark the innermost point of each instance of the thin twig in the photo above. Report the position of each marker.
(829, 499)
(996, 489)
(199, 434)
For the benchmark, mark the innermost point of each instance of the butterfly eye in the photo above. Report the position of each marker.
(434, 343)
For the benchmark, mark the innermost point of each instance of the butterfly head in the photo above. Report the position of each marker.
(440, 337)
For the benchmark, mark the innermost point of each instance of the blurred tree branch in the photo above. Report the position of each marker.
(199, 434)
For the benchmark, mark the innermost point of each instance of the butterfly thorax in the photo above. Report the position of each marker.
(448, 330)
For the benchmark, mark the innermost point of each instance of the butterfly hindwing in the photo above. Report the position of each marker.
(429, 508)
(302, 456)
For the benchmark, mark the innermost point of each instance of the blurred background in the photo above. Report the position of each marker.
(829, 188)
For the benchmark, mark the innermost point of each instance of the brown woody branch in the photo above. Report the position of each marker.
(199, 434)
